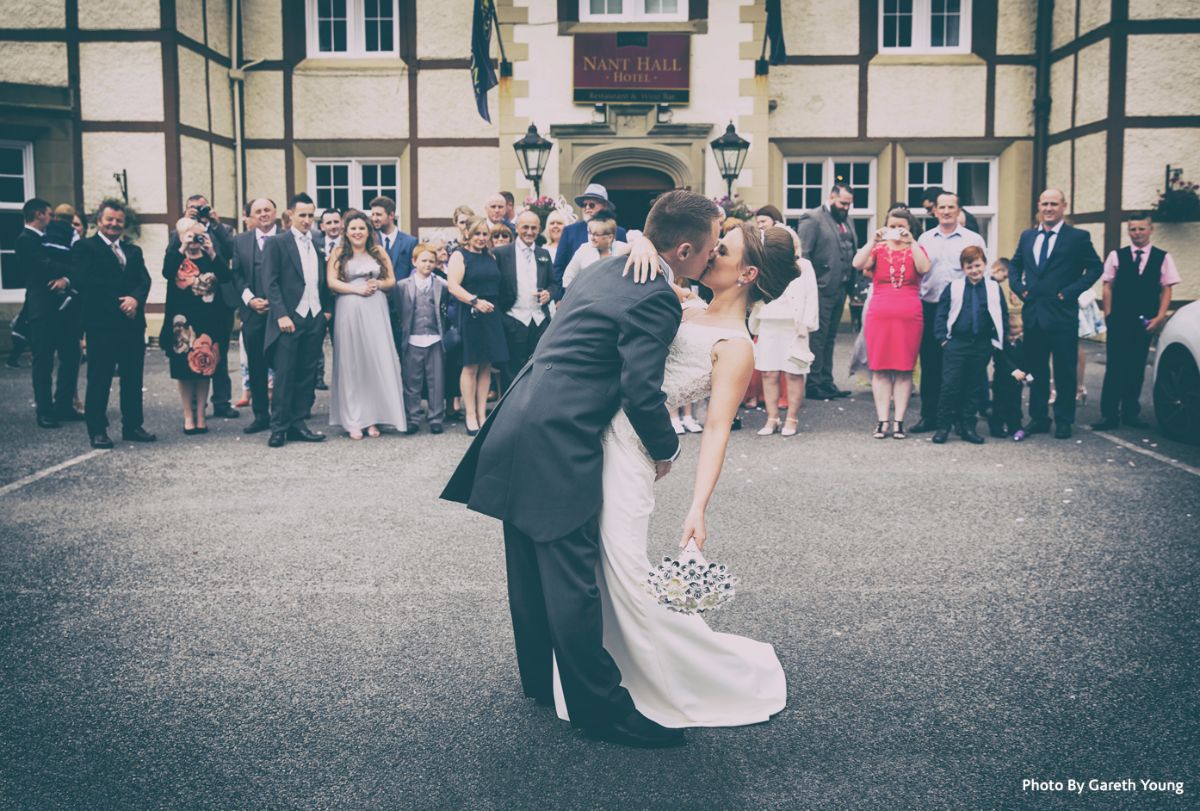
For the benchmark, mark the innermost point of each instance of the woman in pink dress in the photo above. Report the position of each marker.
(893, 323)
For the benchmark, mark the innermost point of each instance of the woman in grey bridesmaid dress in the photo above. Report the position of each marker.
(366, 391)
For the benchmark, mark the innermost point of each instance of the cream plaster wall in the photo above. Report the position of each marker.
(1058, 167)
(218, 26)
(1064, 23)
(1164, 72)
(193, 97)
(223, 198)
(815, 101)
(1015, 89)
(444, 28)
(813, 27)
(1147, 154)
(450, 176)
(1015, 172)
(262, 29)
(153, 242)
(1061, 91)
(1093, 14)
(141, 154)
(314, 117)
(195, 174)
(959, 112)
(121, 14)
(34, 14)
(103, 65)
(1182, 241)
(1155, 9)
(1015, 29)
(446, 107)
(1091, 157)
(1097, 231)
(263, 103)
(1092, 102)
(550, 91)
(40, 63)
(189, 19)
(716, 95)
(265, 175)
(222, 100)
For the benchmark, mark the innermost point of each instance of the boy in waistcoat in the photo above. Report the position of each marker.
(421, 302)
(1137, 293)
(972, 317)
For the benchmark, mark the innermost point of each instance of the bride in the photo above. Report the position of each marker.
(679, 672)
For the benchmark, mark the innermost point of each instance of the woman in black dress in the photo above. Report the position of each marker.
(190, 334)
(474, 279)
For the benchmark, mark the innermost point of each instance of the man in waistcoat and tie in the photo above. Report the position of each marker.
(526, 286)
(1137, 294)
(251, 285)
(1052, 265)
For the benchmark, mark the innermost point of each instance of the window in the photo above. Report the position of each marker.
(925, 26)
(352, 182)
(16, 186)
(603, 11)
(354, 28)
(972, 179)
(807, 182)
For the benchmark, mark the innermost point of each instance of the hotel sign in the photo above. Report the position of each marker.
(633, 68)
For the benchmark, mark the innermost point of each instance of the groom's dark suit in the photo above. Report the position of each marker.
(537, 465)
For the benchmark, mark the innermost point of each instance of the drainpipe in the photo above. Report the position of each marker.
(1041, 100)
(237, 78)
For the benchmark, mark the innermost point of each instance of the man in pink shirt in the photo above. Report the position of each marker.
(1137, 292)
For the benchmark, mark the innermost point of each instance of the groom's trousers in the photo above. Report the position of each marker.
(556, 612)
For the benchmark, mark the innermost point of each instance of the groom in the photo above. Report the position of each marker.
(537, 465)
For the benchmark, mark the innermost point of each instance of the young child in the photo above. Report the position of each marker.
(1007, 368)
(972, 319)
(782, 328)
(421, 319)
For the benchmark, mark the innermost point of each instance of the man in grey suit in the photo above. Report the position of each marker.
(536, 464)
(828, 241)
(251, 288)
(299, 300)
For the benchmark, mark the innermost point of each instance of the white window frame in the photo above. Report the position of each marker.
(922, 15)
(989, 213)
(866, 215)
(355, 192)
(26, 147)
(355, 32)
(634, 12)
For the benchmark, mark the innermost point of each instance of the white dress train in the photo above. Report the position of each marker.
(679, 672)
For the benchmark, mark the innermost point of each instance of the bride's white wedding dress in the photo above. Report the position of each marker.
(679, 671)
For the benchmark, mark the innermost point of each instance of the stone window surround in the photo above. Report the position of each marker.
(17, 294)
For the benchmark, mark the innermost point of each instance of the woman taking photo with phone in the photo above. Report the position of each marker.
(893, 323)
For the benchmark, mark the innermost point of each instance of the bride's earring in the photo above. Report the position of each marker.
(741, 282)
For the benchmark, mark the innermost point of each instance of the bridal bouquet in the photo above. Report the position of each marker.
(691, 585)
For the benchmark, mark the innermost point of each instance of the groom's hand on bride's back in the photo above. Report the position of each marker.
(661, 469)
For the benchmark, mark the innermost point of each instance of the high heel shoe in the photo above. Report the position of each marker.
(771, 427)
(790, 427)
(898, 430)
(880, 430)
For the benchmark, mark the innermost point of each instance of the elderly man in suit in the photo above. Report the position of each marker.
(113, 283)
(251, 286)
(829, 242)
(299, 299)
(1053, 264)
(575, 235)
(526, 286)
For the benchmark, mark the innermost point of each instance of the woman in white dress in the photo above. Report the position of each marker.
(782, 327)
(366, 391)
(679, 672)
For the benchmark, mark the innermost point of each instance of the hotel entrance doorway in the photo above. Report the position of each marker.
(632, 192)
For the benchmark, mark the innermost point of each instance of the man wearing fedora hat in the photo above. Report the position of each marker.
(575, 235)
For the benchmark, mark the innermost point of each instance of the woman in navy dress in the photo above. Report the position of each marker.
(474, 279)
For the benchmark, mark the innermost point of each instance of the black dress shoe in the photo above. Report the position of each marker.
(226, 412)
(13, 363)
(48, 422)
(259, 424)
(736, 425)
(304, 435)
(970, 435)
(639, 731)
(1062, 430)
(997, 431)
(922, 427)
(69, 416)
(278, 439)
(412, 429)
(840, 393)
(321, 386)
(436, 428)
(1106, 424)
(940, 436)
(138, 434)
(101, 441)
(1037, 427)
(1135, 422)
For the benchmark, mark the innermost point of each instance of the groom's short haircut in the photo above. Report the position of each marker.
(680, 216)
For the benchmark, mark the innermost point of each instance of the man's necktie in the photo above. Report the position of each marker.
(1044, 254)
(387, 243)
(117, 253)
(1137, 259)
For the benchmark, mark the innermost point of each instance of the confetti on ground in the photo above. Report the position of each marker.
(1066, 501)
(1020, 520)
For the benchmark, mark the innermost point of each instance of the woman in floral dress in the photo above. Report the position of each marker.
(190, 334)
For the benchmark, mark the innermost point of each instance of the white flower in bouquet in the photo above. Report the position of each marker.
(691, 585)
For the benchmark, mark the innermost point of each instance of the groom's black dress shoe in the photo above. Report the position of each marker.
(304, 435)
(639, 731)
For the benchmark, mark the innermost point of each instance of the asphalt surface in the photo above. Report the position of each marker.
(208, 623)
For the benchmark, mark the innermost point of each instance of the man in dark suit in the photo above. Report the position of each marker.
(113, 283)
(326, 236)
(1052, 265)
(575, 235)
(398, 245)
(536, 464)
(829, 242)
(198, 208)
(251, 286)
(299, 299)
(53, 325)
(526, 286)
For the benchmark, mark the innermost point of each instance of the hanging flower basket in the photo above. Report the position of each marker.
(735, 207)
(1179, 203)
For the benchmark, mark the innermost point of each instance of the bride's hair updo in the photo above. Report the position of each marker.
(773, 252)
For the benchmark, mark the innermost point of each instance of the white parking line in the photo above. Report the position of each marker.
(50, 471)
(1166, 460)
